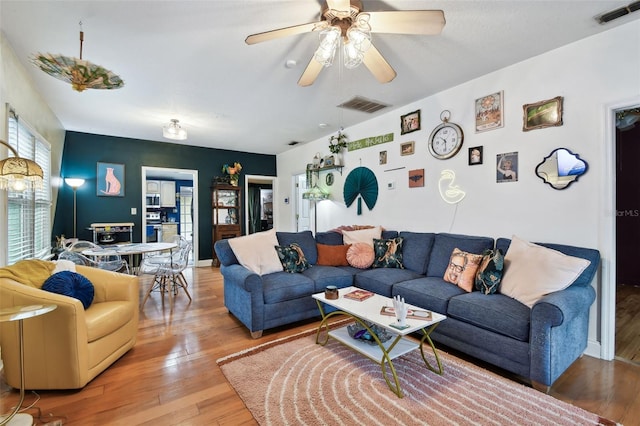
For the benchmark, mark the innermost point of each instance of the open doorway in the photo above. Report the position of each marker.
(170, 205)
(627, 223)
(303, 207)
(259, 206)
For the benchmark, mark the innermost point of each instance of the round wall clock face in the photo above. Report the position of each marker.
(445, 140)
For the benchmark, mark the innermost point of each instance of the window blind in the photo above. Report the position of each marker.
(29, 212)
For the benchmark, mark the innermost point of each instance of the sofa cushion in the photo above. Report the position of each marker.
(292, 258)
(362, 235)
(532, 271)
(71, 284)
(332, 255)
(281, 286)
(443, 247)
(323, 276)
(360, 255)
(462, 269)
(388, 253)
(382, 280)
(496, 313)
(431, 293)
(304, 239)
(256, 252)
(330, 238)
(416, 250)
(489, 272)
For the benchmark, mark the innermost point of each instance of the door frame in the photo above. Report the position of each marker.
(607, 232)
(143, 209)
(258, 179)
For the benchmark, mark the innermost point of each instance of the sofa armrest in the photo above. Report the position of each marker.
(241, 277)
(111, 286)
(559, 331)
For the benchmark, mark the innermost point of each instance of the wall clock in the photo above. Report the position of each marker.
(446, 139)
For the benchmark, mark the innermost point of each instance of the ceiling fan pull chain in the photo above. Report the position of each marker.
(81, 39)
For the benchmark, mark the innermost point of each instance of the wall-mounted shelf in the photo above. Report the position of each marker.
(324, 169)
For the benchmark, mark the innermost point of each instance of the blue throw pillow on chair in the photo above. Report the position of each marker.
(71, 284)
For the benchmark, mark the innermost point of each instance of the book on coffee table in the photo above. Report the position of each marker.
(413, 314)
(359, 295)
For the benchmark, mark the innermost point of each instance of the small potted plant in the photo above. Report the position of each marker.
(336, 144)
(233, 172)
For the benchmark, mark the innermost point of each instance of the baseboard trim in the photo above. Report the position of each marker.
(594, 349)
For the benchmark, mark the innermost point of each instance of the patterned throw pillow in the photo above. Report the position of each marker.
(490, 271)
(462, 269)
(388, 253)
(360, 255)
(292, 258)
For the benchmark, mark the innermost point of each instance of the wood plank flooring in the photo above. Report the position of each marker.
(171, 376)
(628, 322)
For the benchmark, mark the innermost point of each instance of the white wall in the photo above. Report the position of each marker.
(589, 74)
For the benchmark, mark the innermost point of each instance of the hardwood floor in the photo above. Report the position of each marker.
(628, 322)
(171, 376)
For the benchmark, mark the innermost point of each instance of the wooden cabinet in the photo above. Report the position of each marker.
(167, 193)
(226, 208)
(153, 187)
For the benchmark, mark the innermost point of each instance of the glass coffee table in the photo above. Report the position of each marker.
(367, 313)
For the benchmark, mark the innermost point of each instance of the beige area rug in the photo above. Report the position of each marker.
(294, 381)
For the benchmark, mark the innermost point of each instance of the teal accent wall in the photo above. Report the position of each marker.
(82, 152)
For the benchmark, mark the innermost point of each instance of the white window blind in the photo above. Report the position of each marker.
(29, 212)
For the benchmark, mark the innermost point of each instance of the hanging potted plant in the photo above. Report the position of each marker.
(336, 144)
(233, 172)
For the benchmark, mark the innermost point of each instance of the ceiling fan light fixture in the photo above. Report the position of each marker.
(174, 131)
(329, 39)
(352, 56)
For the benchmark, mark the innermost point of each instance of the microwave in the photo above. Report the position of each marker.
(153, 200)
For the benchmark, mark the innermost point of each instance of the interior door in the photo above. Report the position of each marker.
(303, 216)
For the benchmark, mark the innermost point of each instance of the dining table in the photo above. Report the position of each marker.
(131, 250)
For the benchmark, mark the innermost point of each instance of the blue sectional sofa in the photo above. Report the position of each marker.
(537, 343)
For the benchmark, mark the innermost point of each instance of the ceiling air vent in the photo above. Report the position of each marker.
(362, 104)
(292, 143)
(618, 13)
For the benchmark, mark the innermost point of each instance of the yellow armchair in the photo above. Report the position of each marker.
(68, 347)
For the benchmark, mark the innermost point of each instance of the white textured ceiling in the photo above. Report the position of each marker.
(188, 60)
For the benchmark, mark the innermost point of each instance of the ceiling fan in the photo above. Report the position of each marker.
(344, 20)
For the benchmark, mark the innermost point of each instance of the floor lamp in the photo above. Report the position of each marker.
(315, 194)
(75, 184)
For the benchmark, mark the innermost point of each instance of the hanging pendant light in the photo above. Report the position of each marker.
(79, 73)
(19, 174)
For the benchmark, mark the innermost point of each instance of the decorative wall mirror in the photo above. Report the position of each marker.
(561, 168)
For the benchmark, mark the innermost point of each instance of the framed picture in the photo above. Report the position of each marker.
(543, 114)
(410, 122)
(475, 155)
(416, 178)
(507, 167)
(110, 180)
(407, 148)
(489, 112)
(383, 157)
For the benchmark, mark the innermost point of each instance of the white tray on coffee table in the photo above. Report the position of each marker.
(369, 310)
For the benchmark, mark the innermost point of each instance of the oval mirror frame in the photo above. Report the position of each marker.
(561, 168)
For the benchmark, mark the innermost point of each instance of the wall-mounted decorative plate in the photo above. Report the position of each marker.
(329, 179)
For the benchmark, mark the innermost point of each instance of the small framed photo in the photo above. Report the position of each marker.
(475, 155)
(407, 148)
(542, 114)
(410, 122)
(416, 178)
(507, 167)
(383, 157)
(110, 180)
(489, 112)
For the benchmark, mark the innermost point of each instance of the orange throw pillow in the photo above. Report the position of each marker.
(329, 255)
(462, 269)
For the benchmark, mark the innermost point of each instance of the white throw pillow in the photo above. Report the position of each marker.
(362, 235)
(532, 271)
(257, 252)
(64, 265)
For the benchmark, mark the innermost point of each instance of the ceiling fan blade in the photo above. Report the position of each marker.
(282, 32)
(310, 73)
(424, 22)
(378, 66)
